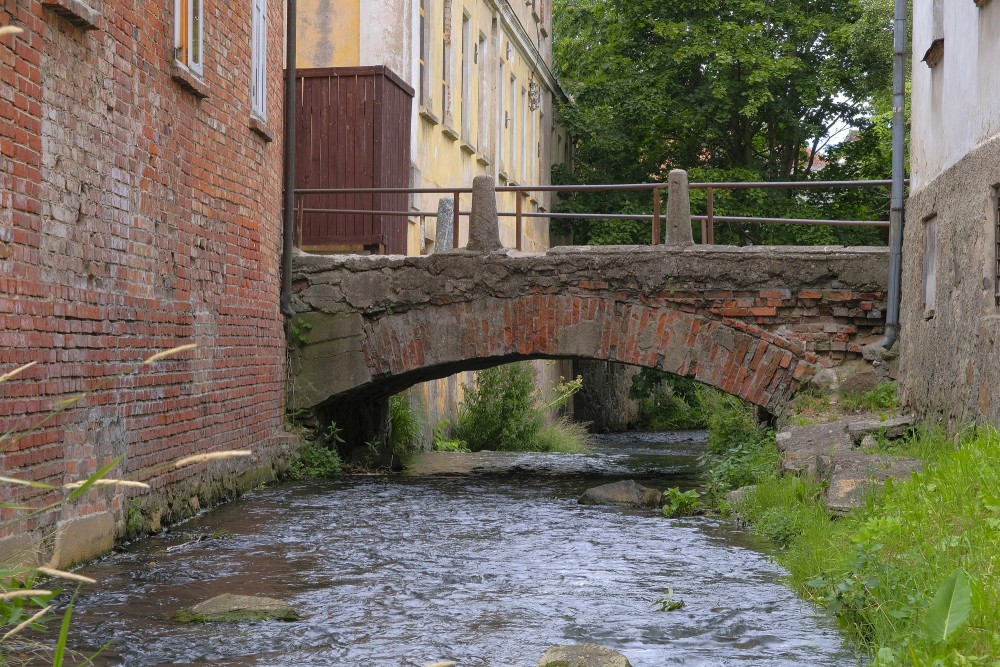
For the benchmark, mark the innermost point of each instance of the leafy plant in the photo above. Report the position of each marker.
(503, 410)
(950, 607)
(681, 503)
(316, 460)
(443, 442)
(298, 332)
(882, 398)
(668, 602)
(406, 425)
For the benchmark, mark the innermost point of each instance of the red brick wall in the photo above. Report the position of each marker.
(134, 217)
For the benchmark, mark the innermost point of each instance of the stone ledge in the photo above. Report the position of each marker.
(77, 12)
(83, 539)
(188, 80)
(261, 129)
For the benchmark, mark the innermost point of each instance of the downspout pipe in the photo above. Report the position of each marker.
(288, 220)
(896, 213)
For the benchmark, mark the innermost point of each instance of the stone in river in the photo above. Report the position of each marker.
(229, 608)
(583, 655)
(628, 492)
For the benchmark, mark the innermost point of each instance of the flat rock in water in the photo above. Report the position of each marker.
(583, 655)
(854, 475)
(235, 608)
(628, 492)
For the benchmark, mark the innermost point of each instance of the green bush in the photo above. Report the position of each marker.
(739, 453)
(318, 458)
(681, 503)
(407, 426)
(882, 398)
(503, 411)
(668, 402)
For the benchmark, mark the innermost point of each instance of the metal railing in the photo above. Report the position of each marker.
(656, 217)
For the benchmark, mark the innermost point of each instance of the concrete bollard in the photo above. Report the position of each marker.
(678, 209)
(484, 227)
(444, 234)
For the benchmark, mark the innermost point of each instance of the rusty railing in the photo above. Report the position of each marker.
(656, 217)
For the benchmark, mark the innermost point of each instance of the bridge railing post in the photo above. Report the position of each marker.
(456, 220)
(708, 225)
(656, 216)
(678, 209)
(518, 220)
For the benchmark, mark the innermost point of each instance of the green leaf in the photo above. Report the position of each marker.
(950, 608)
(25, 482)
(100, 474)
(60, 653)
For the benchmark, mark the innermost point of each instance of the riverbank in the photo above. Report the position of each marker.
(894, 570)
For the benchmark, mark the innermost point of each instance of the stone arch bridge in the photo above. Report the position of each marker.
(754, 322)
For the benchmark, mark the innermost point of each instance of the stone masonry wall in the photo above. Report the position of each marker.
(712, 313)
(137, 215)
(950, 358)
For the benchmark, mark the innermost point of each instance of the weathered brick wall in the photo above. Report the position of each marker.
(134, 217)
(741, 319)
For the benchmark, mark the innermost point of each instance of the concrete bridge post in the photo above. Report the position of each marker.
(678, 209)
(484, 225)
(444, 235)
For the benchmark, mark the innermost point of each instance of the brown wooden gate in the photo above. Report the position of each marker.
(352, 131)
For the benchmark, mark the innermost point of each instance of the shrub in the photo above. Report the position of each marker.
(668, 402)
(503, 410)
(739, 453)
(406, 425)
(442, 440)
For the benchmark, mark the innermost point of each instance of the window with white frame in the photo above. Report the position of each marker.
(258, 84)
(930, 266)
(188, 42)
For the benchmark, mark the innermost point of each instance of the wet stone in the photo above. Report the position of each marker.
(628, 493)
(229, 608)
(583, 655)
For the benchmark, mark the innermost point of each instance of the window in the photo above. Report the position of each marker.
(446, 65)
(930, 266)
(502, 115)
(188, 34)
(258, 91)
(523, 139)
(935, 53)
(512, 125)
(422, 95)
(996, 243)
(466, 78)
(482, 57)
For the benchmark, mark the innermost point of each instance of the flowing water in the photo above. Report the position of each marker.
(485, 559)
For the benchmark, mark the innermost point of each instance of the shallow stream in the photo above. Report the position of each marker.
(485, 559)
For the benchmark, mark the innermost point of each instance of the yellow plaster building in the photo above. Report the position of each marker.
(483, 104)
(484, 91)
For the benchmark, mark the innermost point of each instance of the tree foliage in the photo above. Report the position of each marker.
(745, 90)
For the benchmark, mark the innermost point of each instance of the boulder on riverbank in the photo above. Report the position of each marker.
(229, 608)
(829, 452)
(628, 493)
(583, 655)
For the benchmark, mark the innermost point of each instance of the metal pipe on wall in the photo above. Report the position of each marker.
(896, 213)
(289, 163)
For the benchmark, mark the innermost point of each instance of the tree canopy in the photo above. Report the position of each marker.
(730, 90)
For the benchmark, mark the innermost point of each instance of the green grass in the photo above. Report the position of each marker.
(407, 426)
(879, 568)
(882, 398)
(564, 435)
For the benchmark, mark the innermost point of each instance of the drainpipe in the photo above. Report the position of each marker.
(898, 147)
(288, 236)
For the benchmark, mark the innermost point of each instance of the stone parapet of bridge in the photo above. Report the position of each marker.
(751, 321)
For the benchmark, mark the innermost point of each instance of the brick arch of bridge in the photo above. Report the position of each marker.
(403, 348)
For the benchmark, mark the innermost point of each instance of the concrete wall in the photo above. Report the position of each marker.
(950, 357)
(137, 214)
(949, 313)
(956, 103)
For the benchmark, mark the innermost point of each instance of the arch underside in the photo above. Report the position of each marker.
(402, 349)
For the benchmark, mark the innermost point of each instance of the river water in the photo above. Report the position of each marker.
(485, 559)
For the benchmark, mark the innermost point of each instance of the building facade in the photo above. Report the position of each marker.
(140, 209)
(483, 104)
(480, 72)
(950, 314)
